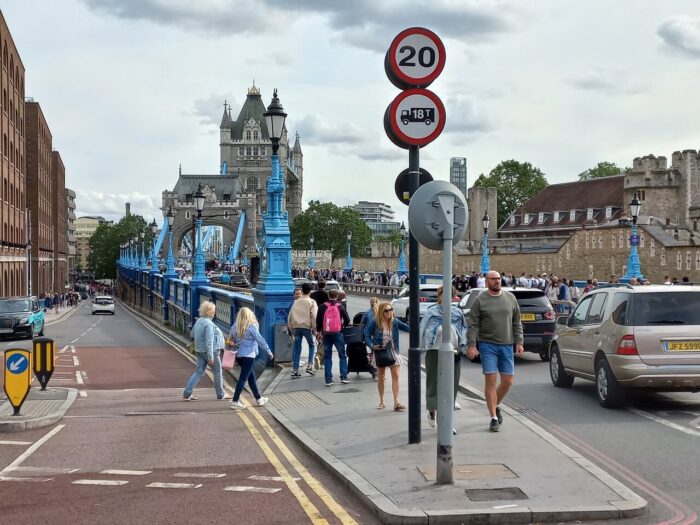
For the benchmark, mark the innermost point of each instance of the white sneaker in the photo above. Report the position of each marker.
(262, 401)
(458, 406)
(238, 405)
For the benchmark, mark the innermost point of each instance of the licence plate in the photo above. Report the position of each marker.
(682, 346)
(527, 317)
(6, 330)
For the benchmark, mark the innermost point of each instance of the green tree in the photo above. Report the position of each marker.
(330, 224)
(516, 183)
(105, 243)
(602, 169)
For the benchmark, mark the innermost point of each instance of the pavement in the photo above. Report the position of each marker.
(522, 474)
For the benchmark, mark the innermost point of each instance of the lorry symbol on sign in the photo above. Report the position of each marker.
(425, 115)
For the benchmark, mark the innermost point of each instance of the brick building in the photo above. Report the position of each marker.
(59, 220)
(13, 216)
(40, 198)
(70, 234)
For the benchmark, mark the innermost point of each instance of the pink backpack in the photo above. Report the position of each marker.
(332, 324)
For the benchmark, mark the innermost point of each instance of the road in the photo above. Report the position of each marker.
(131, 451)
(651, 445)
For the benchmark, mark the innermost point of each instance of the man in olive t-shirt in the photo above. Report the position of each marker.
(494, 321)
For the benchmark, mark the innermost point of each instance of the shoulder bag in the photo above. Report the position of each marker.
(385, 356)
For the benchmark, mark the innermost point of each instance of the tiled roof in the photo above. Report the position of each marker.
(598, 194)
(218, 183)
(252, 107)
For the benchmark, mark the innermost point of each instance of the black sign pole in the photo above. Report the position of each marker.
(414, 430)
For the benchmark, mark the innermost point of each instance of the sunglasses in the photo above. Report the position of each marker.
(388, 310)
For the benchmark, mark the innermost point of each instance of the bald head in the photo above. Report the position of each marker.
(493, 282)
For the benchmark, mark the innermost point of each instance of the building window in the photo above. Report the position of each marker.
(188, 197)
(572, 215)
(251, 184)
(247, 135)
(255, 135)
(540, 218)
(526, 218)
(589, 215)
(227, 197)
(642, 195)
(556, 216)
(608, 212)
(188, 215)
(512, 219)
(247, 151)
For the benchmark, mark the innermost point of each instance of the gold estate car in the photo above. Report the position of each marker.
(645, 337)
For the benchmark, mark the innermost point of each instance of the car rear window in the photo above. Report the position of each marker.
(667, 308)
(430, 295)
(103, 301)
(531, 298)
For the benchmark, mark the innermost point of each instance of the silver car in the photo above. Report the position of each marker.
(624, 337)
(103, 303)
(427, 296)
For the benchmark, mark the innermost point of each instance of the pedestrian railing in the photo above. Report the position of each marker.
(371, 289)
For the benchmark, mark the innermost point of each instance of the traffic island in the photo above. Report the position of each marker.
(40, 409)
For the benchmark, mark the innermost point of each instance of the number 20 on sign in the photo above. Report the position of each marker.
(415, 58)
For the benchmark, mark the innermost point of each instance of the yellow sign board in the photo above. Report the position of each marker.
(43, 360)
(18, 377)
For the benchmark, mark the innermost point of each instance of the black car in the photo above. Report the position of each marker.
(536, 315)
(21, 316)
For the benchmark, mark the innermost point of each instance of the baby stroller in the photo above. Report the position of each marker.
(359, 356)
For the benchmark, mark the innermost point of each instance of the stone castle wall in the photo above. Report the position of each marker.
(587, 254)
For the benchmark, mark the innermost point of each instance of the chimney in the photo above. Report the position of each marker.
(128, 209)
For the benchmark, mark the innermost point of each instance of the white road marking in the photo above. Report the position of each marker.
(79, 377)
(665, 422)
(84, 375)
(504, 506)
(75, 361)
(17, 462)
(72, 349)
(94, 325)
(173, 486)
(82, 393)
(116, 472)
(46, 470)
(74, 340)
(85, 332)
(108, 482)
(63, 349)
(15, 442)
(65, 366)
(198, 475)
(269, 478)
(35, 480)
(236, 488)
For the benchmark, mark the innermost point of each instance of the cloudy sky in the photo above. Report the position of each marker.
(134, 88)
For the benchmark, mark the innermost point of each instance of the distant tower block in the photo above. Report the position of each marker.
(458, 173)
(128, 209)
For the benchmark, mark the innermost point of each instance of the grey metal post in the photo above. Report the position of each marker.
(414, 389)
(446, 352)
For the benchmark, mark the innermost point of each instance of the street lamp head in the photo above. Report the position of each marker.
(402, 230)
(154, 226)
(311, 239)
(170, 216)
(485, 221)
(199, 199)
(349, 236)
(274, 118)
(143, 234)
(635, 205)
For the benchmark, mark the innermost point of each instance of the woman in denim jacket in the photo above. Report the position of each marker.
(204, 333)
(381, 330)
(246, 337)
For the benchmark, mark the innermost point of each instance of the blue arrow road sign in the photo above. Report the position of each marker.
(17, 364)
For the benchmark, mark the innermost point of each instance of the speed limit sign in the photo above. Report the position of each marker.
(416, 117)
(415, 58)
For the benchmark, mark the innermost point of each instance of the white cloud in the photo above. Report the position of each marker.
(112, 206)
(607, 81)
(464, 115)
(315, 130)
(209, 110)
(682, 34)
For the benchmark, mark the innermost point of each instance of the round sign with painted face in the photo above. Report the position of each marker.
(416, 117)
(415, 58)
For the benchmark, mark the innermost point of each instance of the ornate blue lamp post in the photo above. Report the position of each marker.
(154, 259)
(198, 262)
(634, 268)
(348, 259)
(312, 263)
(144, 260)
(274, 290)
(135, 252)
(170, 260)
(244, 261)
(402, 256)
(485, 262)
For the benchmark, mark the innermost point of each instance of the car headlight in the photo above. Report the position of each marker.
(24, 320)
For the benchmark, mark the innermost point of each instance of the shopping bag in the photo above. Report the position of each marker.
(229, 359)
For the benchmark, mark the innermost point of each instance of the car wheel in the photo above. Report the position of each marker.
(544, 354)
(608, 391)
(559, 376)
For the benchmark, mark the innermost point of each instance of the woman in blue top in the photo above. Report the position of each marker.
(381, 331)
(246, 337)
(208, 339)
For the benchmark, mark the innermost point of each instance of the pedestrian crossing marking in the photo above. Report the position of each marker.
(198, 475)
(15, 442)
(265, 490)
(270, 478)
(116, 472)
(31, 480)
(105, 482)
(173, 486)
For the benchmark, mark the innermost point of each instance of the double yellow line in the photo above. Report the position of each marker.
(306, 504)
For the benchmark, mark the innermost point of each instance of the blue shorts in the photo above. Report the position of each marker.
(497, 358)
